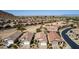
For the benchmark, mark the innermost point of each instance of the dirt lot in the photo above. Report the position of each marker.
(6, 33)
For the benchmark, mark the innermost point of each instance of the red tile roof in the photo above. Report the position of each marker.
(41, 36)
(27, 36)
(52, 36)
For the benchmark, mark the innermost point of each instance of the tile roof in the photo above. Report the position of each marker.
(41, 36)
(27, 36)
(53, 36)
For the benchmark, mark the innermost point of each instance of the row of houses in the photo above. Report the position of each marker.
(55, 25)
(6, 23)
(29, 21)
(41, 38)
(32, 20)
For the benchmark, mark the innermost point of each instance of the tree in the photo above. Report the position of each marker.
(38, 30)
(14, 46)
(9, 21)
(34, 43)
(1, 41)
(49, 46)
(20, 27)
(72, 25)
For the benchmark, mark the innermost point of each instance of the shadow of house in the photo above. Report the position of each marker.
(12, 39)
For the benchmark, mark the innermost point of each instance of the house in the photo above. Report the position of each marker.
(12, 38)
(60, 23)
(54, 39)
(25, 40)
(41, 39)
(75, 30)
(12, 24)
(51, 27)
(54, 26)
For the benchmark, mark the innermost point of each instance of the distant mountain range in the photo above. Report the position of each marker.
(3, 13)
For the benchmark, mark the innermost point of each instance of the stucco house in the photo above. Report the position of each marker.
(42, 39)
(12, 38)
(54, 39)
(25, 40)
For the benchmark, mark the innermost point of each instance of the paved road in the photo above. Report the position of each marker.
(68, 40)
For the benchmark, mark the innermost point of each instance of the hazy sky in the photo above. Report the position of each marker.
(41, 12)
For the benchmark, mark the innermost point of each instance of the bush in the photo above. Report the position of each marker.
(20, 27)
(38, 30)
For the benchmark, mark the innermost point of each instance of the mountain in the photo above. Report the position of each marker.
(3, 13)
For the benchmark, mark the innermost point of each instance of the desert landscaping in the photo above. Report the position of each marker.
(39, 32)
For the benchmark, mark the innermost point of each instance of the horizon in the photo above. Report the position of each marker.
(42, 12)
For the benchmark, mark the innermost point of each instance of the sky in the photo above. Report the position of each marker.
(42, 12)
